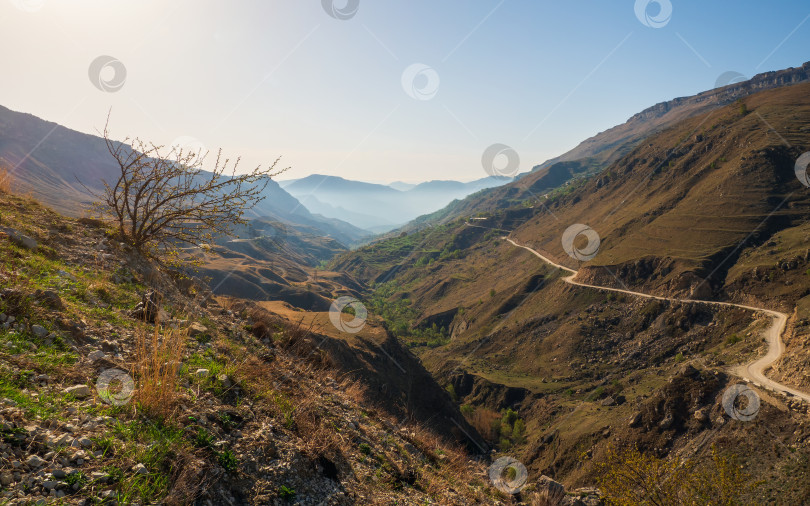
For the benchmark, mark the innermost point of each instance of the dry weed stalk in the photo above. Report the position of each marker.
(5, 180)
(158, 357)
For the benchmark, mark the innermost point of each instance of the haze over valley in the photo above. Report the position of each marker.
(350, 253)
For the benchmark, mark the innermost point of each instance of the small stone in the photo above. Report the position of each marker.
(140, 469)
(49, 484)
(66, 274)
(608, 401)
(58, 473)
(6, 479)
(84, 441)
(196, 329)
(96, 355)
(39, 331)
(202, 373)
(98, 476)
(78, 391)
(34, 461)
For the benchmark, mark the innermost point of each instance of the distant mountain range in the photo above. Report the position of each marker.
(53, 163)
(379, 207)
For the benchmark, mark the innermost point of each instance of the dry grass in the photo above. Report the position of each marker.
(484, 421)
(158, 356)
(5, 180)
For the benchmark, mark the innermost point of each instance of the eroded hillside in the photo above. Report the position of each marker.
(708, 209)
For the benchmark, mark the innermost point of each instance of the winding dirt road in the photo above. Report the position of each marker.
(753, 371)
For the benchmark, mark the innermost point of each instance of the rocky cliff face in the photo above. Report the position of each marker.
(611, 143)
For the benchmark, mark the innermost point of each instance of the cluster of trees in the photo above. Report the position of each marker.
(399, 314)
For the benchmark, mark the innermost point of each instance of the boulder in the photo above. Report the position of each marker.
(20, 239)
(50, 298)
(196, 329)
(78, 391)
(39, 331)
(149, 308)
(545, 483)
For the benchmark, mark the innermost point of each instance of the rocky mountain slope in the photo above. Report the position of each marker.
(600, 151)
(256, 407)
(709, 208)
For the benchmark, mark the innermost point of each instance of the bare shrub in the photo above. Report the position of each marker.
(163, 198)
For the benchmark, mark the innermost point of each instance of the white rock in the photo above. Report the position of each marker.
(140, 469)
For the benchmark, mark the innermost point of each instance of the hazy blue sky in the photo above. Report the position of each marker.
(268, 78)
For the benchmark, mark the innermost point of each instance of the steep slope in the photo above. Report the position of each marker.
(254, 407)
(708, 208)
(598, 152)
